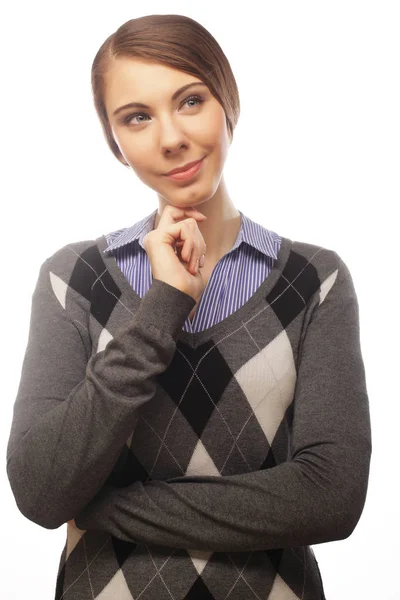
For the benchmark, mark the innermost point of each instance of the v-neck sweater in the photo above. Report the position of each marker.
(195, 464)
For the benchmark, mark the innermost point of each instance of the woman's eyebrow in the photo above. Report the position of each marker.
(174, 96)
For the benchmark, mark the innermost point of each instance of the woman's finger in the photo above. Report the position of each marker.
(172, 213)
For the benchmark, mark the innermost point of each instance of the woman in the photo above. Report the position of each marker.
(193, 400)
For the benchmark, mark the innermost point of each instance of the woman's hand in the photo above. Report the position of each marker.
(175, 248)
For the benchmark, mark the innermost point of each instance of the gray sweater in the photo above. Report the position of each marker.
(195, 465)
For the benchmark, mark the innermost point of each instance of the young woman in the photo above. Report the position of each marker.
(192, 400)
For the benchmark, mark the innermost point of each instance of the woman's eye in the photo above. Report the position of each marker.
(129, 118)
(194, 98)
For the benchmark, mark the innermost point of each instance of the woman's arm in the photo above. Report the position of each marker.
(72, 416)
(315, 497)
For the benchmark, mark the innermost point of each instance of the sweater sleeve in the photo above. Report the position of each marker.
(72, 416)
(317, 496)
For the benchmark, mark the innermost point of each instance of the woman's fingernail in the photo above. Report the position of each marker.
(202, 260)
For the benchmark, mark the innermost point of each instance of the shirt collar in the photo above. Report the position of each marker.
(264, 240)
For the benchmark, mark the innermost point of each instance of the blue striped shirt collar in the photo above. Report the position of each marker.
(264, 240)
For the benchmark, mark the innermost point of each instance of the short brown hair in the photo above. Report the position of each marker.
(174, 40)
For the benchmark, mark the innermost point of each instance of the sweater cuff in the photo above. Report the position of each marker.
(166, 307)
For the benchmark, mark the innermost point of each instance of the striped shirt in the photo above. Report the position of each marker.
(235, 278)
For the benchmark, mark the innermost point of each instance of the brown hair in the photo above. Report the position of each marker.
(174, 40)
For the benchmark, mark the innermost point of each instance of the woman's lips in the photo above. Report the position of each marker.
(183, 175)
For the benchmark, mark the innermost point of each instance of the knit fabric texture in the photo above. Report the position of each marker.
(196, 464)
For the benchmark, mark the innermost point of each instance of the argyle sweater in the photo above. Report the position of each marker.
(196, 465)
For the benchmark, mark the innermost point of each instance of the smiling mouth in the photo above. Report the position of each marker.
(188, 173)
(181, 170)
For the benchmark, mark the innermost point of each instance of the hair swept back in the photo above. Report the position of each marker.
(174, 40)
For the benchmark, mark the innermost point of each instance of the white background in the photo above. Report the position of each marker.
(315, 158)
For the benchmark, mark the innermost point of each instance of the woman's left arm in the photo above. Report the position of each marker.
(317, 496)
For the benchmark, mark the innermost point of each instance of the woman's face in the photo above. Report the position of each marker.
(171, 132)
